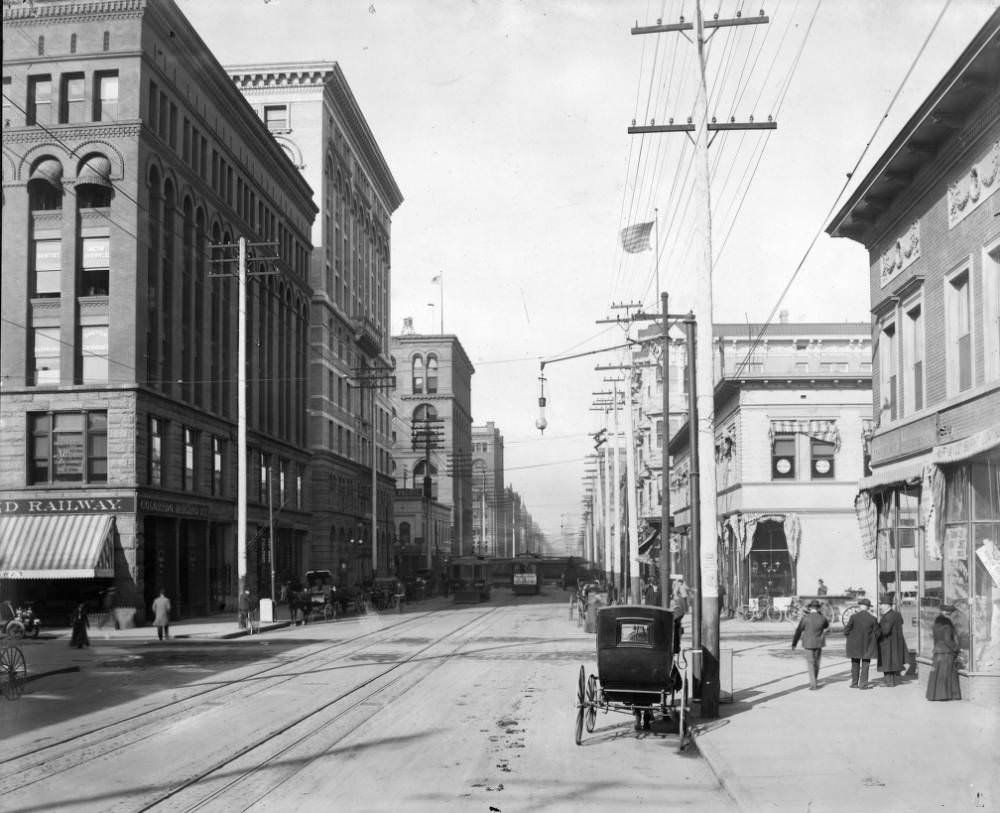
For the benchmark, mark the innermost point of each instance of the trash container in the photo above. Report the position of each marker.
(266, 611)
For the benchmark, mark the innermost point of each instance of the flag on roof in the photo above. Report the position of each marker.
(635, 238)
(436, 278)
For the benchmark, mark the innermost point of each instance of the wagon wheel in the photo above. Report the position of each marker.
(580, 706)
(848, 613)
(591, 715)
(13, 671)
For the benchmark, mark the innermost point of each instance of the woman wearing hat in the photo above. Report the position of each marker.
(812, 630)
(892, 648)
(942, 683)
(862, 643)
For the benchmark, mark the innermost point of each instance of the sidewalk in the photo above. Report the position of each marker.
(780, 747)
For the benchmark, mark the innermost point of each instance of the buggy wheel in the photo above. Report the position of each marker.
(794, 613)
(591, 715)
(848, 613)
(13, 672)
(580, 689)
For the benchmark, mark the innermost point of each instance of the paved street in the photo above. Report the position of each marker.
(462, 708)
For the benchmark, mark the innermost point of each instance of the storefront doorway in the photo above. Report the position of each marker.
(769, 564)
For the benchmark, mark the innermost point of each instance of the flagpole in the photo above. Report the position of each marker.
(441, 280)
(656, 259)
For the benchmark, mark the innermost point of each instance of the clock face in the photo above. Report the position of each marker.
(783, 465)
(822, 466)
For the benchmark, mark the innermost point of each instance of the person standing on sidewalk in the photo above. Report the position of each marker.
(892, 648)
(862, 643)
(109, 605)
(812, 630)
(942, 683)
(79, 623)
(161, 615)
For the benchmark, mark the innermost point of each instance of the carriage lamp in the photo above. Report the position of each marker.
(541, 423)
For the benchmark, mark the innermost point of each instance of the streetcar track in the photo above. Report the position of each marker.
(271, 735)
(133, 735)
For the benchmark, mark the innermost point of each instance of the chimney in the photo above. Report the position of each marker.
(407, 325)
(783, 317)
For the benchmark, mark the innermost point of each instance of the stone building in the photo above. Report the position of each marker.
(489, 517)
(312, 114)
(131, 165)
(434, 392)
(928, 214)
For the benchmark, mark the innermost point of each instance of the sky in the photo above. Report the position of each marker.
(504, 125)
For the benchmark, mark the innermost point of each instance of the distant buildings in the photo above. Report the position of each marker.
(490, 522)
(131, 165)
(929, 215)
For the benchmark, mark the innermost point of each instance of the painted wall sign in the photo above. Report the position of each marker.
(967, 193)
(69, 505)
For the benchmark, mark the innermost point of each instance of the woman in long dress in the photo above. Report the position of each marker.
(942, 683)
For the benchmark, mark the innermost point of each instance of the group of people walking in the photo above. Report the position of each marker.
(881, 639)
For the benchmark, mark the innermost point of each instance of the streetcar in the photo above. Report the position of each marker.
(470, 579)
(524, 578)
(640, 671)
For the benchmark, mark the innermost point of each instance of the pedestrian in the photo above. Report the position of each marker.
(244, 608)
(651, 595)
(892, 648)
(283, 599)
(821, 589)
(942, 683)
(812, 630)
(109, 604)
(678, 607)
(79, 623)
(862, 643)
(161, 615)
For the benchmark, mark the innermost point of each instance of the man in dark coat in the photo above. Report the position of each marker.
(812, 630)
(892, 648)
(862, 643)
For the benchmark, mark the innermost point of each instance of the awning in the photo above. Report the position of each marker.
(96, 171)
(50, 171)
(57, 546)
(906, 471)
(648, 542)
(959, 450)
(820, 430)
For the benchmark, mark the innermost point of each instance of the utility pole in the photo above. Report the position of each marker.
(707, 551)
(372, 380)
(242, 274)
(427, 434)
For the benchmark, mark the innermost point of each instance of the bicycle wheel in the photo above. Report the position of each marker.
(773, 614)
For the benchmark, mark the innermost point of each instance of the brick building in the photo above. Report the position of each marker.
(489, 519)
(128, 159)
(929, 216)
(311, 112)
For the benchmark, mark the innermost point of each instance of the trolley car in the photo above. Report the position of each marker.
(638, 671)
(470, 579)
(524, 578)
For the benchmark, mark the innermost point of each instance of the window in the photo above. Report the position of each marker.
(432, 374)
(48, 267)
(887, 372)
(40, 99)
(299, 478)
(276, 117)
(73, 106)
(68, 447)
(155, 451)
(913, 358)
(991, 312)
(822, 452)
(106, 96)
(958, 332)
(217, 456)
(8, 105)
(418, 375)
(190, 458)
(95, 266)
(93, 360)
(45, 341)
(783, 457)
(265, 463)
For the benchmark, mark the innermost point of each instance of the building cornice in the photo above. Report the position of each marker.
(33, 13)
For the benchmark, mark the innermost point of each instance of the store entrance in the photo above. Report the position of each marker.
(769, 562)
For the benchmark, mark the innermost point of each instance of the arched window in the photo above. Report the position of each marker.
(418, 375)
(432, 374)
(424, 412)
(45, 189)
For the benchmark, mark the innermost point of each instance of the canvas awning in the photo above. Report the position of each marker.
(649, 541)
(905, 471)
(820, 430)
(57, 546)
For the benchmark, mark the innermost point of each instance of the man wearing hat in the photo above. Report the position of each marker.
(862, 643)
(892, 649)
(812, 630)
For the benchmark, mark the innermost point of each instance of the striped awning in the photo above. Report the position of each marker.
(647, 543)
(820, 430)
(57, 546)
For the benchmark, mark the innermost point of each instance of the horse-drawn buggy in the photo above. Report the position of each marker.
(640, 671)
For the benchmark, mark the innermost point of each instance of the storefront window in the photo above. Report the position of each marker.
(909, 538)
(930, 599)
(986, 566)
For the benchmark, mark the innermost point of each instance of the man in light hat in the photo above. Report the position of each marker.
(812, 630)
(862, 643)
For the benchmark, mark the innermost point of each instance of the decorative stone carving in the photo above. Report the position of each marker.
(903, 253)
(967, 193)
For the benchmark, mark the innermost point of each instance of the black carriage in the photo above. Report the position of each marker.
(638, 671)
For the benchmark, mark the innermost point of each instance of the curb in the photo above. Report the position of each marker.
(61, 671)
(723, 772)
